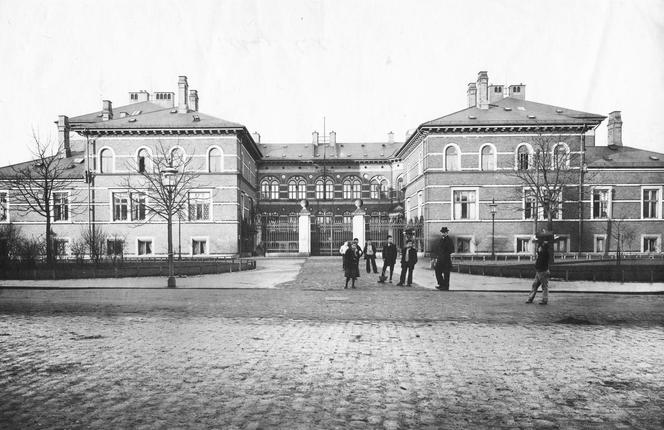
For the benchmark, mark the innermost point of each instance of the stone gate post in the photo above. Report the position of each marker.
(359, 225)
(304, 229)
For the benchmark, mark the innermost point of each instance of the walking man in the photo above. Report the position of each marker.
(389, 258)
(541, 274)
(370, 256)
(408, 261)
(443, 266)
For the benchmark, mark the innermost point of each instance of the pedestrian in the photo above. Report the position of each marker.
(351, 268)
(342, 251)
(356, 241)
(370, 256)
(443, 265)
(541, 274)
(408, 261)
(389, 258)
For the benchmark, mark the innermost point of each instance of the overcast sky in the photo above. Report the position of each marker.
(369, 67)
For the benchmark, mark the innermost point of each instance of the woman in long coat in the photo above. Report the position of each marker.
(351, 265)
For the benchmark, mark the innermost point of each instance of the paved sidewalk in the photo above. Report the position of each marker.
(272, 272)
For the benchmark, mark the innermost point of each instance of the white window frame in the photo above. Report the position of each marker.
(458, 152)
(658, 242)
(471, 243)
(185, 157)
(131, 206)
(599, 236)
(61, 221)
(205, 239)
(112, 205)
(453, 214)
(148, 160)
(540, 209)
(658, 206)
(117, 239)
(528, 238)
(145, 239)
(553, 154)
(221, 159)
(494, 156)
(274, 189)
(562, 238)
(6, 220)
(609, 204)
(110, 150)
(210, 203)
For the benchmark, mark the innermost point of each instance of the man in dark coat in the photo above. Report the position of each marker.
(389, 258)
(408, 261)
(370, 256)
(443, 254)
(541, 274)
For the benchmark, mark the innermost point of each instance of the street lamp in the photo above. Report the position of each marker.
(493, 207)
(168, 174)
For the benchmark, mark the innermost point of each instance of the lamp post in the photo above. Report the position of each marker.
(168, 182)
(493, 207)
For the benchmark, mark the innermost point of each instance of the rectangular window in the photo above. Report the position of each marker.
(60, 206)
(465, 204)
(347, 190)
(265, 190)
(320, 190)
(650, 244)
(561, 245)
(138, 206)
(114, 246)
(4, 208)
(357, 190)
(292, 190)
(144, 247)
(523, 245)
(199, 206)
(60, 247)
(523, 161)
(375, 190)
(600, 243)
(120, 206)
(651, 203)
(274, 193)
(463, 245)
(198, 247)
(601, 203)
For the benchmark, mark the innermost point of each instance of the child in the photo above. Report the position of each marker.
(408, 261)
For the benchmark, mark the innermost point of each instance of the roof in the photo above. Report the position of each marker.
(347, 151)
(75, 166)
(622, 157)
(150, 115)
(513, 111)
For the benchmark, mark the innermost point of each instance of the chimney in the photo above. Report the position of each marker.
(495, 93)
(256, 136)
(63, 135)
(183, 91)
(193, 100)
(390, 137)
(472, 94)
(483, 90)
(107, 110)
(139, 96)
(614, 127)
(517, 91)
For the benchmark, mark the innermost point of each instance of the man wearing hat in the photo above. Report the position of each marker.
(443, 253)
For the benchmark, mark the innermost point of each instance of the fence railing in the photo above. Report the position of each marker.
(281, 237)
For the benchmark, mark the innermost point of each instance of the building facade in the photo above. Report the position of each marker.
(468, 171)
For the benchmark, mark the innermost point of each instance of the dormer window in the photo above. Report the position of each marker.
(133, 96)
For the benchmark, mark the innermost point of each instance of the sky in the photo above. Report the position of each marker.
(367, 67)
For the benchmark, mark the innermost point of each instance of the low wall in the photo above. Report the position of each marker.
(71, 270)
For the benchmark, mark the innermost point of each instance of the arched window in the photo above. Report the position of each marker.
(560, 156)
(352, 188)
(378, 188)
(452, 158)
(297, 188)
(347, 218)
(142, 159)
(400, 190)
(324, 188)
(106, 161)
(270, 189)
(177, 158)
(523, 157)
(488, 156)
(214, 160)
(274, 189)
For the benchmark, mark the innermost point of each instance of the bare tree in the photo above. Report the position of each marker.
(545, 172)
(623, 233)
(94, 240)
(34, 185)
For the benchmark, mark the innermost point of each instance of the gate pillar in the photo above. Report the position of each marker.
(359, 224)
(304, 224)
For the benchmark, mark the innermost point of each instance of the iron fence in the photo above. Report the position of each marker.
(281, 236)
(327, 237)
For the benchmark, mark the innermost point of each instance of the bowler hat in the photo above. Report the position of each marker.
(444, 230)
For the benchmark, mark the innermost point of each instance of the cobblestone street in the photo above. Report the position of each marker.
(311, 355)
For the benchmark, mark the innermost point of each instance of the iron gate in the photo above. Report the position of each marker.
(280, 236)
(328, 234)
(377, 230)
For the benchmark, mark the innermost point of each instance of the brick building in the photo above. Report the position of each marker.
(450, 172)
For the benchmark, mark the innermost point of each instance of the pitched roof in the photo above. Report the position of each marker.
(513, 111)
(347, 151)
(150, 115)
(74, 165)
(622, 157)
